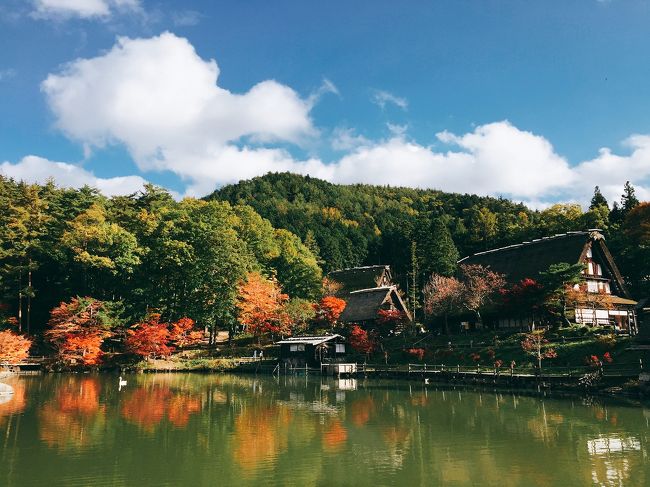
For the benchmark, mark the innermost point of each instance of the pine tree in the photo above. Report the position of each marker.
(598, 199)
(628, 198)
(445, 254)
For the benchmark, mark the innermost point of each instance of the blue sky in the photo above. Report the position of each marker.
(538, 101)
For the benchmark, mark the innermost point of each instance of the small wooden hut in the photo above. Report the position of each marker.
(312, 351)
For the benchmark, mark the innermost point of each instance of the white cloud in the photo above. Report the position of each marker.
(84, 9)
(34, 169)
(345, 138)
(160, 100)
(382, 98)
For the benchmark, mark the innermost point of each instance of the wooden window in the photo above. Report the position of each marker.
(340, 348)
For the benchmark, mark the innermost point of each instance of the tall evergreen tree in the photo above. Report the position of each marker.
(629, 201)
(598, 199)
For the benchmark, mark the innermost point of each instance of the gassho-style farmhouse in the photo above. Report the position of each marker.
(367, 290)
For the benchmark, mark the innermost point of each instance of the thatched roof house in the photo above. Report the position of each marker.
(367, 290)
(602, 277)
(357, 278)
(364, 305)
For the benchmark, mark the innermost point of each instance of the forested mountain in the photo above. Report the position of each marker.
(150, 253)
(425, 230)
(147, 252)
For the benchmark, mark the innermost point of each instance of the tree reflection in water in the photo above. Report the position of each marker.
(74, 418)
(237, 430)
(161, 398)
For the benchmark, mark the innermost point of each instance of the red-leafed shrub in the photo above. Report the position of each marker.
(416, 352)
(14, 348)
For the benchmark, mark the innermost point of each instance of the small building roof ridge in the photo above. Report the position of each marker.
(360, 268)
(372, 289)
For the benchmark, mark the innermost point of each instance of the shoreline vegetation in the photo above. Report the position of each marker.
(445, 363)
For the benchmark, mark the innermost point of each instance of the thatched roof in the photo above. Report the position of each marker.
(358, 278)
(528, 259)
(364, 305)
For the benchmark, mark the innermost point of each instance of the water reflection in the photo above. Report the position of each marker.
(14, 403)
(161, 397)
(74, 418)
(236, 430)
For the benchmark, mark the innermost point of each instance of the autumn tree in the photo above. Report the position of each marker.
(183, 333)
(149, 339)
(330, 287)
(78, 329)
(523, 298)
(361, 341)
(536, 345)
(260, 306)
(329, 310)
(443, 296)
(483, 224)
(480, 285)
(14, 348)
(389, 321)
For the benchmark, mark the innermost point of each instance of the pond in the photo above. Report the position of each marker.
(192, 429)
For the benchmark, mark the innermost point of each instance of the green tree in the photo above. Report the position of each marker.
(297, 268)
(102, 249)
(629, 201)
(598, 199)
(482, 225)
(558, 282)
(22, 240)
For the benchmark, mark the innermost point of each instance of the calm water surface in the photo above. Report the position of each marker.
(191, 430)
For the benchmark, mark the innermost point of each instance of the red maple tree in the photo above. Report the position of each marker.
(149, 338)
(329, 309)
(14, 348)
(78, 329)
(360, 340)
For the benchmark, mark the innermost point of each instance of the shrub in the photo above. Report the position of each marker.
(14, 348)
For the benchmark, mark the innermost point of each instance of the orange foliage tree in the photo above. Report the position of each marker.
(78, 329)
(260, 306)
(183, 334)
(149, 338)
(14, 348)
(329, 309)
